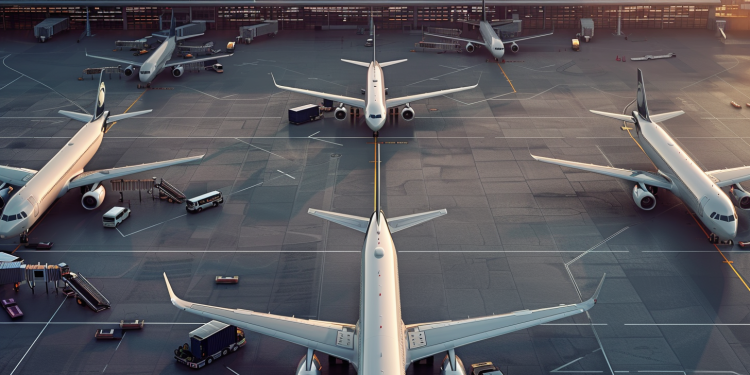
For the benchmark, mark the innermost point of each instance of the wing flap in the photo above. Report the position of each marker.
(726, 177)
(169, 65)
(350, 221)
(354, 102)
(395, 102)
(472, 41)
(625, 174)
(432, 338)
(313, 334)
(402, 222)
(16, 176)
(92, 177)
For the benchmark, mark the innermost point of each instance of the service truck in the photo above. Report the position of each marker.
(587, 29)
(49, 27)
(305, 113)
(209, 342)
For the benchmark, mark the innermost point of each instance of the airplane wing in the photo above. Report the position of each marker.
(354, 102)
(472, 41)
(133, 63)
(395, 102)
(520, 38)
(625, 174)
(431, 338)
(16, 176)
(725, 177)
(331, 338)
(196, 60)
(92, 177)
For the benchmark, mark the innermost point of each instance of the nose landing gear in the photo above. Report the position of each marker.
(714, 239)
(25, 237)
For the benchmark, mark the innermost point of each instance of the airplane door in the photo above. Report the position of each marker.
(702, 204)
(36, 206)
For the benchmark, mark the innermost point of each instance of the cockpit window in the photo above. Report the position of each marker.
(727, 218)
(11, 217)
(713, 214)
(499, 48)
(145, 72)
(24, 214)
(376, 116)
(5, 218)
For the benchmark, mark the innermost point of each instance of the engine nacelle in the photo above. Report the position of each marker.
(514, 48)
(340, 113)
(177, 71)
(315, 367)
(643, 198)
(445, 368)
(94, 198)
(407, 113)
(742, 196)
(470, 48)
(129, 70)
(5, 196)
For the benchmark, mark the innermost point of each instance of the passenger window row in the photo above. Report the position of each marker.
(716, 216)
(22, 215)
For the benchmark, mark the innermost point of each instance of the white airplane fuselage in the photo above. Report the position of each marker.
(51, 182)
(491, 40)
(375, 97)
(381, 330)
(155, 63)
(690, 183)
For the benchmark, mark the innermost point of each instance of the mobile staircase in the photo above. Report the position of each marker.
(169, 192)
(85, 292)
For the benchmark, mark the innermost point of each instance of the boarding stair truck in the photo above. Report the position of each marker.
(169, 192)
(208, 343)
(84, 291)
(587, 29)
(268, 27)
(305, 113)
(49, 27)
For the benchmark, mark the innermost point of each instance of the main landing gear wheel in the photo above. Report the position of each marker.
(714, 239)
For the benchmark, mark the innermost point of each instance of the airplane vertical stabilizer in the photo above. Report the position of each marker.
(99, 100)
(173, 26)
(484, 12)
(641, 97)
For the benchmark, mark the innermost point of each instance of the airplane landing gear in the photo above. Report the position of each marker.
(375, 134)
(714, 239)
(25, 237)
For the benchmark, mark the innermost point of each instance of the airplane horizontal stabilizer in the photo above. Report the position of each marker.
(349, 221)
(666, 116)
(389, 63)
(82, 117)
(616, 116)
(402, 222)
(360, 63)
(114, 118)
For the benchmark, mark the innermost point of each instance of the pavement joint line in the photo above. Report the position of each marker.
(285, 174)
(567, 364)
(713, 75)
(455, 71)
(149, 227)
(250, 144)
(218, 98)
(597, 245)
(311, 136)
(123, 338)
(39, 335)
(41, 83)
(19, 77)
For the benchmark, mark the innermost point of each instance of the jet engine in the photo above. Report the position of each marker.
(5, 196)
(177, 71)
(129, 70)
(643, 198)
(407, 113)
(315, 367)
(470, 48)
(514, 48)
(742, 196)
(446, 369)
(94, 198)
(340, 113)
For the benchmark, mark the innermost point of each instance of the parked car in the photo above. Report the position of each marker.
(10, 306)
(485, 368)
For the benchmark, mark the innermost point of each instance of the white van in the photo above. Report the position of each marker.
(200, 202)
(115, 216)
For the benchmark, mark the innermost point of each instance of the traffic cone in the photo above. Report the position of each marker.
(618, 58)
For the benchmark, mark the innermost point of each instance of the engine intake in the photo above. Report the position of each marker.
(94, 198)
(446, 369)
(177, 71)
(470, 48)
(129, 70)
(514, 48)
(340, 113)
(5, 196)
(315, 367)
(742, 196)
(643, 198)
(407, 113)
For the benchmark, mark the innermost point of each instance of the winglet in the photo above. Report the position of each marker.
(274, 80)
(598, 289)
(178, 303)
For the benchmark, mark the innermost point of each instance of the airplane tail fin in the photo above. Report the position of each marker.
(641, 97)
(99, 101)
(373, 42)
(172, 26)
(484, 12)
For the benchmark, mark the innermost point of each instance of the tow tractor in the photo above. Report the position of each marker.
(209, 342)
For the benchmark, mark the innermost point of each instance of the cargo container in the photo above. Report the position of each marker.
(305, 113)
(209, 342)
(49, 27)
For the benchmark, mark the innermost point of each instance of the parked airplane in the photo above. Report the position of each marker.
(490, 39)
(380, 343)
(375, 91)
(158, 61)
(39, 189)
(676, 172)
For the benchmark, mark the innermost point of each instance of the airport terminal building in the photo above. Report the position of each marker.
(388, 14)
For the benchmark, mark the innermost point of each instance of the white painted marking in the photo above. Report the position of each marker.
(41, 83)
(138, 231)
(234, 372)
(285, 174)
(11, 82)
(42, 331)
(249, 144)
(323, 140)
(121, 340)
